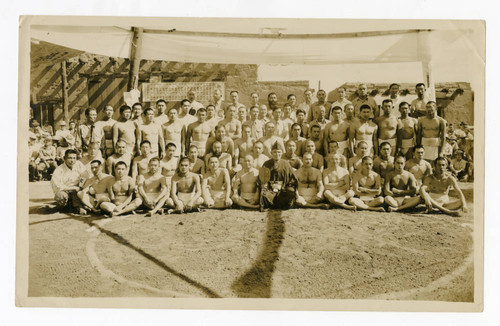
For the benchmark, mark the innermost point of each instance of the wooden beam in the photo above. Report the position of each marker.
(64, 85)
(135, 58)
(286, 36)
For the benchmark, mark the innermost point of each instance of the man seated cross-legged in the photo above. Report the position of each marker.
(435, 188)
(153, 188)
(400, 187)
(94, 189)
(310, 184)
(337, 182)
(367, 187)
(121, 192)
(185, 191)
(216, 187)
(245, 190)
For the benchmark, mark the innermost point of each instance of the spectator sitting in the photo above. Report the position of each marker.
(459, 166)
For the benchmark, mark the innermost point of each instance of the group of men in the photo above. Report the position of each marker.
(352, 155)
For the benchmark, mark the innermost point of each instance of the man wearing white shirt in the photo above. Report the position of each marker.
(306, 106)
(65, 181)
(418, 105)
(342, 102)
(195, 105)
(184, 117)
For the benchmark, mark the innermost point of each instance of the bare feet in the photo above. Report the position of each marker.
(392, 209)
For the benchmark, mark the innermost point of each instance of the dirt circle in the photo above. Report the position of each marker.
(291, 254)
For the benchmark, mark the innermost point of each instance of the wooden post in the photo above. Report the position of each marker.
(135, 59)
(64, 86)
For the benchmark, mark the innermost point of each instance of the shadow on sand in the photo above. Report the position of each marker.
(256, 282)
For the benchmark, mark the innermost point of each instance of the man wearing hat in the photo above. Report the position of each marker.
(277, 182)
(63, 130)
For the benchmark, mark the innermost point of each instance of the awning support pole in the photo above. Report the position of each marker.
(135, 58)
(64, 85)
(425, 55)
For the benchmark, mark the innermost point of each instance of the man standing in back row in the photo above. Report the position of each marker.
(431, 133)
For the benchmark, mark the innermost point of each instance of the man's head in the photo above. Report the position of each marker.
(362, 149)
(307, 159)
(217, 148)
(394, 89)
(291, 147)
(315, 132)
(349, 110)
(154, 165)
(262, 111)
(242, 113)
(310, 146)
(296, 130)
(91, 115)
(213, 163)
(333, 159)
(62, 125)
(337, 113)
(276, 152)
(291, 99)
(440, 165)
(333, 146)
(342, 92)
(126, 112)
(277, 113)
(362, 90)
(234, 96)
(420, 89)
(308, 95)
(365, 111)
(272, 98)
(108, 111)
(172, 114)
(321, 113)
(217, 94)
(185, 106)
(191, 95)
(170, 150)
(94, 148)
(137, 109)
(149, 114)
(161, 106)
(72, 125)
(258, 147)
(270, 128)
(201, 114)
(301, 115)
(367, 163)
(145, 147)
(246, 131)
(193, 152)
(210, 111)
(321, 95)
(70, 157)
(121, 147)
(404, 109)
(254, 113)
(95, 167)
(387, 106)
(430, 108)
(184, 165)
(399, 163)
(231, 112)
(247, 162)
(385, 150)
(287, 110)
(418, 152)
(255, 98)
(121, 169)
(220, 132)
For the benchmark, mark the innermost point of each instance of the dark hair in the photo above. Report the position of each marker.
(403, 103)
(365, 158)
(154, 159)
(336, 108)
(137, 103)
(96, 161)
(417, 147)
(420, 84)
(387, 100)
(210, 105)
(193, 146)
(290, 95)
(145, 142)
(315, 126)
(185, 158)
(183, 101)
(148, 109)
(393, 84)
(125, 107)
(384, 143)
(365, 106)
(172, 108)
(440, 158)
(120, 163)
(70, 151)
(255, 106)
(300, 111)
(87, 111)
(160, 101)
(202, 110)
(272, 93)
(171, 145)
(341, 87)
(231, 92)
(321, 90)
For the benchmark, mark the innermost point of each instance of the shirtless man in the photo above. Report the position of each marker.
(257, 154)
(93, 153)
(400, 187)
(161, 117)
(301, 120)
(212, 118)
(153, 188)
(121, 193)
(198, 132)
(418, 105)
(243, 146)
(431, 133)
(288, 116)
(93, 191)
(291, 156)
(384, 162)
(256, 125)
(395, 99)
(435, 188)
(281, 127)
(216, 186)
(185, 118)
(295, 135)
(151, 132)
(174, 132)
(342, 102)
(337, 130)
(137, 114)
(245, 190)
(126, 130)
(107, 126)
(169, 162)
(315, 135)
(417, 166)
(333, 148)
(367, 187)
(310, 185)
(406, 131)
(242, 114)
(306, 106)
(317, 159)
(121, 154)
(362, 100)
(196, 164)
(224, 160)
(235, 97)
(186, 190)
(270, 138)
(226, 141)
(231, 123)
(140, 164)
(337, 183)
(355, 161)
(387, 126)
(364, 129)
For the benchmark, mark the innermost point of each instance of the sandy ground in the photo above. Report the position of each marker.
(234, 253)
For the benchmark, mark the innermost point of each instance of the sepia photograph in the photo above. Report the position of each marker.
(243, 161)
